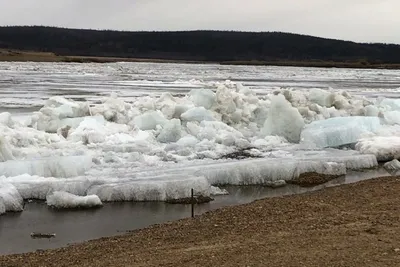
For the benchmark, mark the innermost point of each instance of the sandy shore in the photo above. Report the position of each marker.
(349, 225)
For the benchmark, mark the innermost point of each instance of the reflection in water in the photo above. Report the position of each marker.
(116, 218)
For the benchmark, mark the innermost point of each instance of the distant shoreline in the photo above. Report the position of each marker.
(26, 56)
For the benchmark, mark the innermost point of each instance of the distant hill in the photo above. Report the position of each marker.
(213, 46)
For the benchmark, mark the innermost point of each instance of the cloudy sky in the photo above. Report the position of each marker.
(357, 20)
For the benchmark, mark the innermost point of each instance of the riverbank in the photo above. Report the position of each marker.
(31, 56)
(349, 225)
(27, 56)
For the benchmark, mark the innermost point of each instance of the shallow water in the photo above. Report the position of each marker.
(117, 218)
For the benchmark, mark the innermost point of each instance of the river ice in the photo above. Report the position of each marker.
(151, 132)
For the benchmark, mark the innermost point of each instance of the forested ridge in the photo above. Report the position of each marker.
(216, 46)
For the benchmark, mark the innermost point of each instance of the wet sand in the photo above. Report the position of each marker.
(349, 225)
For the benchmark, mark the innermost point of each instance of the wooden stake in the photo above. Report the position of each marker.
(192, 201)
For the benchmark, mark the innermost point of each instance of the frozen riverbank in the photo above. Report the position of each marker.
(157, 148)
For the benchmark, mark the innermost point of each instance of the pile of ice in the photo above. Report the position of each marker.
(203, 124)
(65, 200)
(57, 113)
(107, 148)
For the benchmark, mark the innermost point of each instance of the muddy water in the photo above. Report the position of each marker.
(117, 218)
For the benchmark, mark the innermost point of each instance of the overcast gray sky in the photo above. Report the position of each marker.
(357, 20)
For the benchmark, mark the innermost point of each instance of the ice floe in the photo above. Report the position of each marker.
(65, 200)
(335, 132)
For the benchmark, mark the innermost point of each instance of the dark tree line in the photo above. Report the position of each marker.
(194, 45)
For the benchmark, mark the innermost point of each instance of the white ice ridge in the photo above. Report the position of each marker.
(156, 188)
(263, 171)
(174, 181)
(10, 199)
(35, 187)
(65, 200)
(69, 166)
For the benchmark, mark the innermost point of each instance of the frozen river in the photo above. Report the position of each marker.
(28, 85)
